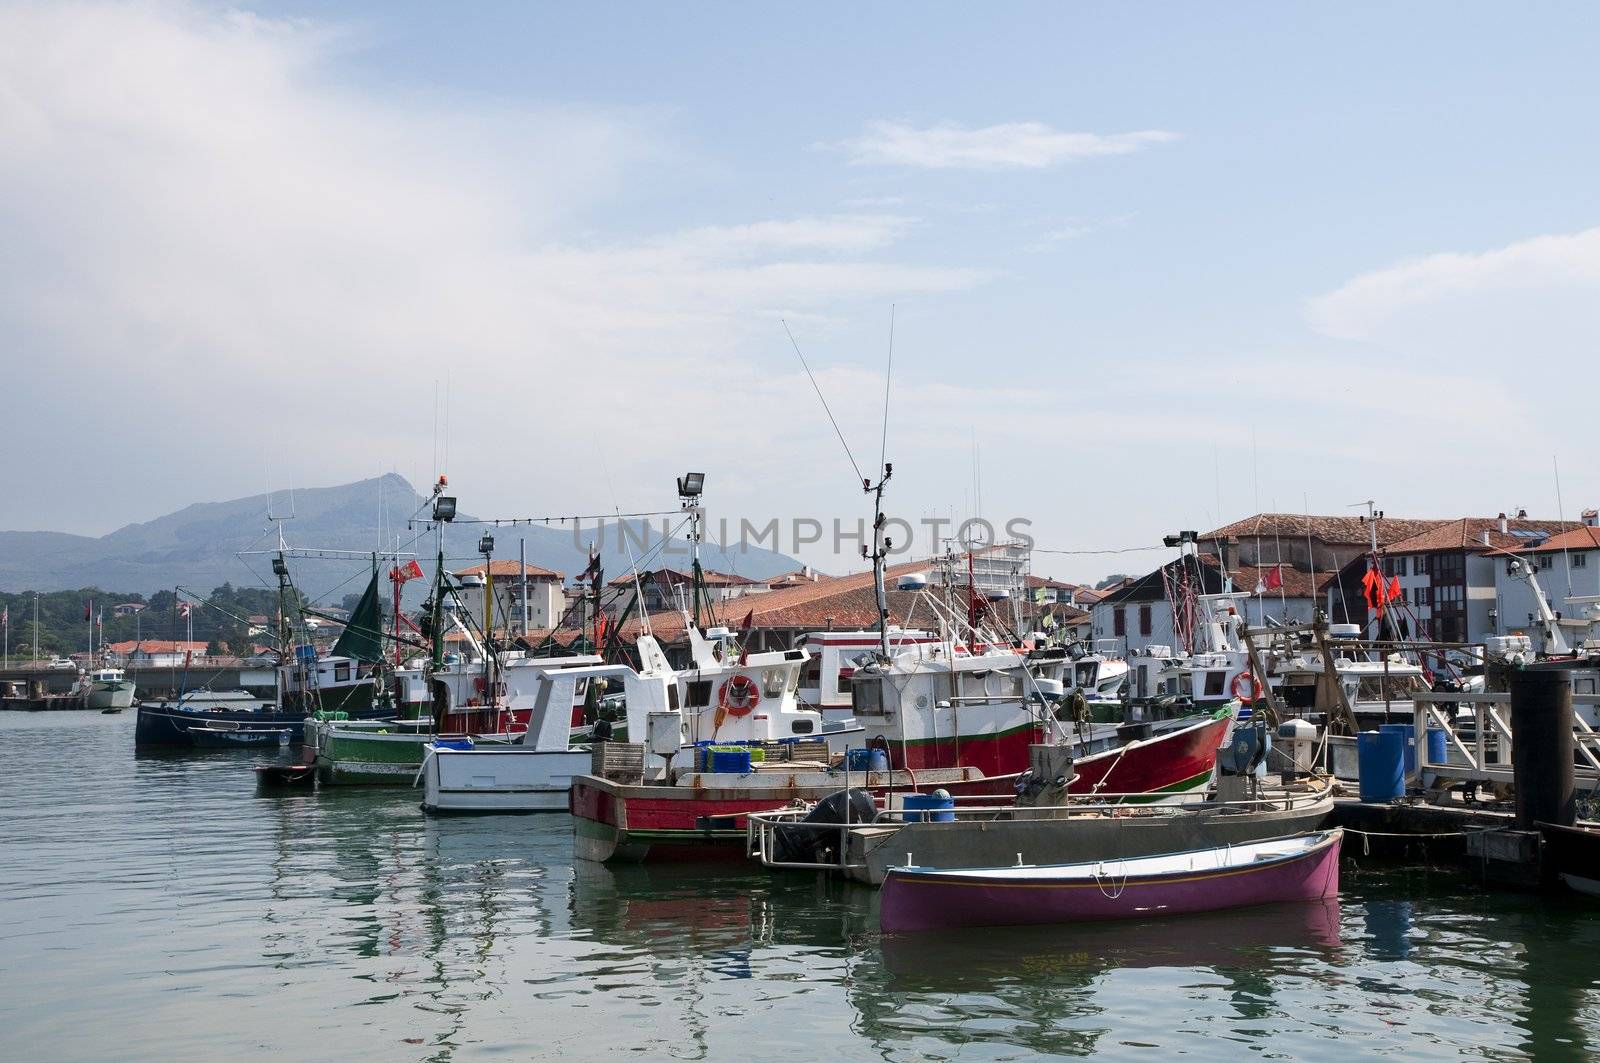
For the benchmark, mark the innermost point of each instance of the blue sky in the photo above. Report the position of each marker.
(1163, 264)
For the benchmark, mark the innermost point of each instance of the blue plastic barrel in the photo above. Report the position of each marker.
(305, 653)
(1438, 746)
(858, 759)
(939, 809)
(1408, 736)
(1381, 765)
(880, 760)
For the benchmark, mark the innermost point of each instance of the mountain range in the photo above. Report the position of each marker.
(210, 543)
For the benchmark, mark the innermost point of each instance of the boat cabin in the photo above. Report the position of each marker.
(835, 656)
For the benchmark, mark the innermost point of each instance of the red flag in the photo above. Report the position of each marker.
(1372, 589)
(1394, 588)
(412, 569)
(744, 630)
(1274, 578)
(602, 624)
(88, 610)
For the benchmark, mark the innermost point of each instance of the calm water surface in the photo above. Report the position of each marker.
(158, 908)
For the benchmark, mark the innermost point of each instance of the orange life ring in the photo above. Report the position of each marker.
(738, 696)
(1255, 687)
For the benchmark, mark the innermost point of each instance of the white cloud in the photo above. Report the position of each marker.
(1537, 296)
(219, 241)
(1010, 145)
(1076, 229)
(834, 234)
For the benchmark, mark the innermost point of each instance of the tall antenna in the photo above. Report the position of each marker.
(888, 374)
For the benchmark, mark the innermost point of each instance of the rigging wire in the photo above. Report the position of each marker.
(512, 522)
(824, 401)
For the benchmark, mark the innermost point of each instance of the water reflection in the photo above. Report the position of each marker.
(164, 909)
(1047, 979)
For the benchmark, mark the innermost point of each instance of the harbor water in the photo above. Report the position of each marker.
(157, 907)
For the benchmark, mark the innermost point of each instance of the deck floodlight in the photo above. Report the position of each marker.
(279, 568)
(486, 544)
(444, 508)
(690, 484)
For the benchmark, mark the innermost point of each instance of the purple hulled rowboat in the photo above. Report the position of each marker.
(1300, 868)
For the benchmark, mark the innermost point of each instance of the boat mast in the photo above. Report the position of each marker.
(880, 550)
(690, 487)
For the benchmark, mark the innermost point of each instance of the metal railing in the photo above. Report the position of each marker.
(762, 828)
(1478, 736)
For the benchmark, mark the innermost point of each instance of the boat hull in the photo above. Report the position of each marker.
(509, 780)
(347, 756)
(1572, 855)
(615, 821)
(1168, 766)
(1090, 836)
(111, 697)
(161, 726)
(918, 901)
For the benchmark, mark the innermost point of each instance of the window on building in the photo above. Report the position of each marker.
(1546, 560)
(1144, 620)
(1423, 596)
(1119, 621)
(1422, 564)
(1451, 567)
(1580, 560)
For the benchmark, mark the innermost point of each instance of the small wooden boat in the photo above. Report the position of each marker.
(1299, 868)
(282, 776)
(1572, 854)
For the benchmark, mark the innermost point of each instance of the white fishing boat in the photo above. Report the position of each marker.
(110, 690)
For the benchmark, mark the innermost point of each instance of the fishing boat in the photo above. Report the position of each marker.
(347, 675)
(532, 771)
(453, 702)
(1102, 826)
(1299, 868)
(110, 690)
(958, 714)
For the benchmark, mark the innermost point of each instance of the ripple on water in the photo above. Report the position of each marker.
(160, 908)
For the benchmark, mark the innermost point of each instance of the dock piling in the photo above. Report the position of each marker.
(1541, 747)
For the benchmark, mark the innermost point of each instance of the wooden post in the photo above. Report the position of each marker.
(1256, 666)
(1338, 705)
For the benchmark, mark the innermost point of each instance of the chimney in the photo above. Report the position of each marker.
(1591, 517)
(1503, 528)
(1522, 514)
(1484, 535)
